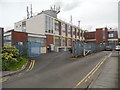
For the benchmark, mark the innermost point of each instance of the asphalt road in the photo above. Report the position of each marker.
(56, 70)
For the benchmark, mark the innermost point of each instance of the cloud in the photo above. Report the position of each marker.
(72, 5)
(68, 5)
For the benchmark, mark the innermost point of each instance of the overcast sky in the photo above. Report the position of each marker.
(92, 13)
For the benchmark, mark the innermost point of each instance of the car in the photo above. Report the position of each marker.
(117, 48)
(108, 48)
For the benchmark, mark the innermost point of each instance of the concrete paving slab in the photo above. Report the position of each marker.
(109, 75)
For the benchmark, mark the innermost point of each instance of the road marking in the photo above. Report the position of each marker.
(93, 70)
(86, 76)
(4, 79)
(32, 65)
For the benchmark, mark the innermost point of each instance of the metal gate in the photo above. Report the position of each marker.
(83, 49)
(34, 49)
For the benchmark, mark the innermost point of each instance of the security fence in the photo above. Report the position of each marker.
(29, 49)
(83, 49)
(22, 47)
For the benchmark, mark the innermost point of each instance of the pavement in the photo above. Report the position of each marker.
(58, 70)
(108, 77)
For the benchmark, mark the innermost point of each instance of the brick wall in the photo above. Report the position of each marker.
(19, 36)
(49, 40)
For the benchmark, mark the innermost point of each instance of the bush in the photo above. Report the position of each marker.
(9, 56)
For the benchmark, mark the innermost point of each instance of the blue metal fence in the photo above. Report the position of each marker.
(34, 49)
(22, 47)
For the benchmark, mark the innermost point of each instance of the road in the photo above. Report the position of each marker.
(56, 70)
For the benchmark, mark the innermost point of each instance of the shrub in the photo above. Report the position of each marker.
(9, 56)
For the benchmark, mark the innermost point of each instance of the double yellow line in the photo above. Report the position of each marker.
(32, 63)
(92, 72)
(4, 79)
(31, 66)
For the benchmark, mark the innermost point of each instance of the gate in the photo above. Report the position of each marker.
(34, 49)
(83, 49)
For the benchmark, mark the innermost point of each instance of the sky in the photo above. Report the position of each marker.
(91, 13)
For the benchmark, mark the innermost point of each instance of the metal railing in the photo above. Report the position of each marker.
(83, 49)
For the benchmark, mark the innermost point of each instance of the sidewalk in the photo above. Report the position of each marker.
(108, 77)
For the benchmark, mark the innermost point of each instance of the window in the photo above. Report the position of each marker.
(78, 32)
(56, 25)
(69, 42)
(24, 26)
(38, 39)
(110, 34)
(57, 41)
(7, 38)
(74, 31)
(20, 43)
(69, 29)
(63, 27)
(43, 41)
(63, 41)
(49, 24)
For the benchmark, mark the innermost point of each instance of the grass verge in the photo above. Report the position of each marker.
(18, 65)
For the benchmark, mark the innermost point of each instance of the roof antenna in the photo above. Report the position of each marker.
(79, 24)
(27, 13)
(71, 19)
(54, 8)
(31, 10)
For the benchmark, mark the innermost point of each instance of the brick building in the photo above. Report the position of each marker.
(102, 36)
(22, 41)
(58, 32)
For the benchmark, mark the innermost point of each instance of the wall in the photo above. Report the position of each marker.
(99, 36)
(36, 24)
(49, 40)
(18, 25)
(19, 36)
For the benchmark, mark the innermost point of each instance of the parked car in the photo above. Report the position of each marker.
(117, 48)
(108, 48)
